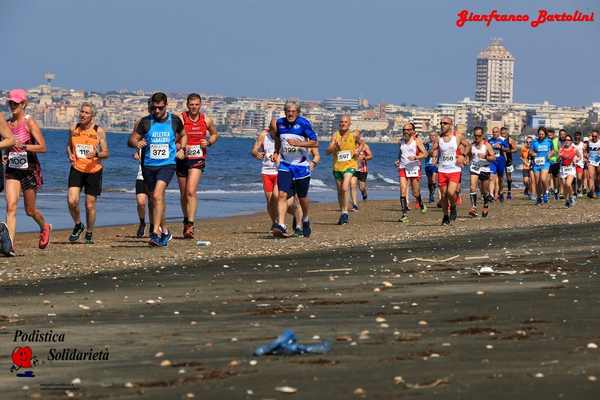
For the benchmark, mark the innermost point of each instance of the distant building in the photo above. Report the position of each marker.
(494, 74)
(339, 103)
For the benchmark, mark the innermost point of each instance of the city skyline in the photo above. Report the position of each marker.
(384, 51)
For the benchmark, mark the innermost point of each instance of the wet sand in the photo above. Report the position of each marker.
(436, 323)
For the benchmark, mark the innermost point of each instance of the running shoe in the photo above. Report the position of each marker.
(343, 219)
(364, 196)
(77, 231)
(567, 204)
(484, 214)
(580, 195)
(166, 237)
(141, 229)
(556, 196)
(453, 213)
(155, 240)
(45, 236)
(473, 212)
(88, 238)
(188, 231)
(538, 202)
(298, 232)
(446, 220)
(509, 196)
(590, 195)
(501, 198)
(424, 209)
(403, 219)
(306, 231)
(573, 200)
(279, 231)
(354, 207)
(545, 198)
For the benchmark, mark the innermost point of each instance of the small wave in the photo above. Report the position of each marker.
(386, 179)
(318, 183)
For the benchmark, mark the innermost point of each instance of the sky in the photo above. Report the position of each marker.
(394, 51)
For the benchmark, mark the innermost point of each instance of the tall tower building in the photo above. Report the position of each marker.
(495, 74)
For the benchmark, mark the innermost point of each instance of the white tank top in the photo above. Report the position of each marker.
(579, 152)
(478, 158)
(447, 155)
(268, 166)
(408, 149)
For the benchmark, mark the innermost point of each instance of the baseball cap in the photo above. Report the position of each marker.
(17, 95)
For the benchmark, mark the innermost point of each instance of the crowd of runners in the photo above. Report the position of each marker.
(168, 144)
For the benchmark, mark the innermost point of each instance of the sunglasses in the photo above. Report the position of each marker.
(159, 108)
(444, 123)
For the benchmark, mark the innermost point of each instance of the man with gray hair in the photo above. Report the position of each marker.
(86, 148)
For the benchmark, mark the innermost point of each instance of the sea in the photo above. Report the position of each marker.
(231, 184)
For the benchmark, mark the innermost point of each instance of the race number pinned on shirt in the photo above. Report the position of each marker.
(194, 152)
(159, 151)
(82, 150)
(18, 160)
(475, 167)
(412, 170)
(448, 160)
(567, 171)
(497, 153)
(345, 155)
(510, 169)
(290, 149)
(539, 161)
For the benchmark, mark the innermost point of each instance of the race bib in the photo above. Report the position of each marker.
(412, 170)
(539, 160)
(449, 160)
(18, 160)
(290, 149)
(475, 167)
(510, 169)
(82, 150)
(194, 152)
(497, 153)
(567, 171)
(344, 156)
(159, 151)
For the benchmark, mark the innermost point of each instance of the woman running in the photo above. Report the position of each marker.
(540, 148)
(481, 155)
(23, 170)
(568, 159)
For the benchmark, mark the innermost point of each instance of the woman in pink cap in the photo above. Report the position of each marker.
(23, 170)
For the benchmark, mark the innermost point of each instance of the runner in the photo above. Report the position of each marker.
(86, 148)
(189, 170)
(539, 150)
(6, 140)
(263, 150)
(580, 164)
(527, 171)
(156, 135)
(430, 168)
(481, 156)
(568, 157)
(359, 179)
(554, 170)
(24, 172)
(142, 199)
(498, 166)
(593, 156)
(294, 137)
(445, 155)
(509, 160)
(410, 153)
(344, 148)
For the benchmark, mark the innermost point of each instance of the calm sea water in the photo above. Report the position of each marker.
(231, 184)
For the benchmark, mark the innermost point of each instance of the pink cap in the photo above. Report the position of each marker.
(17, 95)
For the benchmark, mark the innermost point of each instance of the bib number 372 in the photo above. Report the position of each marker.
(159, 151)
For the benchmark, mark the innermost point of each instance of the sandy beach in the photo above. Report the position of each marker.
(395, 300)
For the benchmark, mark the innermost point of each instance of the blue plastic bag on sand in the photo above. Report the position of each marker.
(286, 344)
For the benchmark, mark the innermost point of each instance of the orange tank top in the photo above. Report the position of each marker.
(83, 142)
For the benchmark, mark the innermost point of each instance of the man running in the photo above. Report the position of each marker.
(157, 135)
(445, 155)
(410, 153)
(86, 148)
(579, 164)
(481, 156)
(359, 179)
(294, 137)
(512, 146)
(343, 146)
(527, 171)
(498, 166)
(23, 172)
(190, 169)
(430, 168)
(539, 150)
(554, 177)
(593, 156)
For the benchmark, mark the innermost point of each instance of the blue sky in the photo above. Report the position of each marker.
(383, 50)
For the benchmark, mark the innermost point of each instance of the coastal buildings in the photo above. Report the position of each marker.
(494, 74)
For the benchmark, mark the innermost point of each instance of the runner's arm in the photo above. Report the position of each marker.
(214, 135)
(69, 148)
(102, 152)
(36, 132)
(333, 145)
(259, 155)
(422, 153)
(490, 156)
(136, 139)
(368, 153)
(8, 139)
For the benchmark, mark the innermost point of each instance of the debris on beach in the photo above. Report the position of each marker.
(286, 344)
(490, 271)
(398, 380)
(286, 389)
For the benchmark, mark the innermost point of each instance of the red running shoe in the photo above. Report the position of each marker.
(45, 236)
